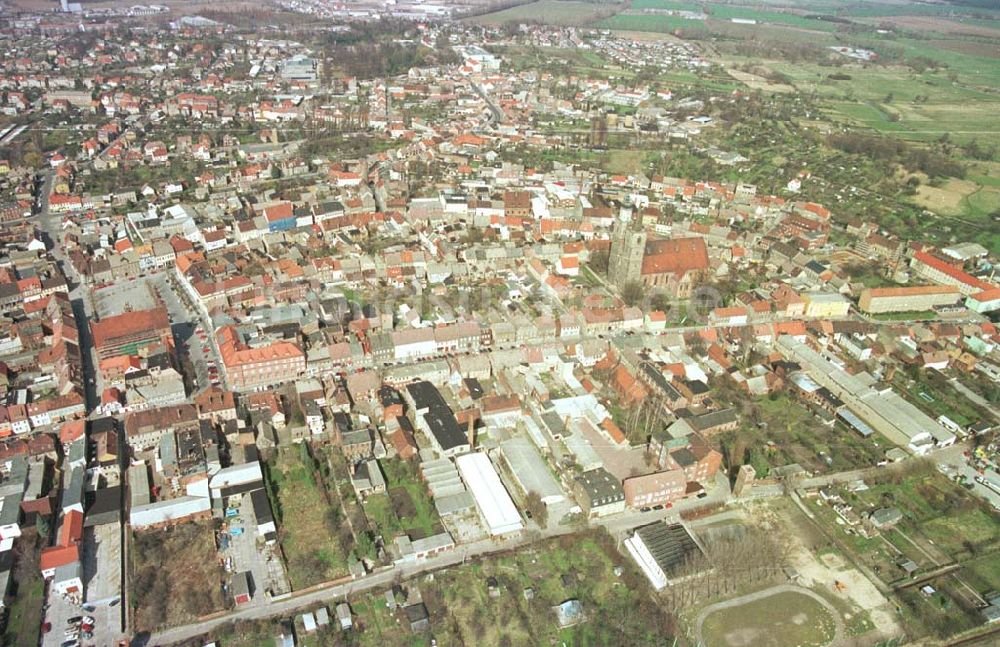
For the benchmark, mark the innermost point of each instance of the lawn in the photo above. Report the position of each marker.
(775, 621)
(175, 575)
(407, 507)
(983, 573)
(314, 539)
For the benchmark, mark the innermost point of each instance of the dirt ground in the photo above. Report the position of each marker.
(756, 82)
(821, 572)
(947, 199)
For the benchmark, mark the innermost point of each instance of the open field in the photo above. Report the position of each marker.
(175, 575)
(310, 526)
(570, 13)
(931, 24)
(785, 618)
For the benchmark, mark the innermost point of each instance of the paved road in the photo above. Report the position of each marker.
(617, 525)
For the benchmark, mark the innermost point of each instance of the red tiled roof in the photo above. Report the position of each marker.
(129, 323)
(675, 256)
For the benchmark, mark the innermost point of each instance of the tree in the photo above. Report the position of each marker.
(632, 292)
(536, 508)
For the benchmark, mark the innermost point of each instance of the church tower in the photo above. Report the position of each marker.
(628, 246)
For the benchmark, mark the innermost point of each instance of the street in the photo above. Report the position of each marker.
(618, 525)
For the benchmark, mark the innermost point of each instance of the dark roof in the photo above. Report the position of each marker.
(601, 487)
(713, 419)
(670, 545)
(261, 507)
(475, 388)
(104, 505)
(439, 416)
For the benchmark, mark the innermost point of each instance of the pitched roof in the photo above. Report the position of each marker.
(676, 256)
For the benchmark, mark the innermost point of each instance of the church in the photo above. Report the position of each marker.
(675, 264)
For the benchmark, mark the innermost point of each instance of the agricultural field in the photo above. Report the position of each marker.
(175, 575)
(310, 523)
(571, 13)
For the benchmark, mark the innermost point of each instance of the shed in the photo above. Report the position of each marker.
(344, 616)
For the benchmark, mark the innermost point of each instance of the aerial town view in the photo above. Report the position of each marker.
(555, 323)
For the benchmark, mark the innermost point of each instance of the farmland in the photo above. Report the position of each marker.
(553, 12)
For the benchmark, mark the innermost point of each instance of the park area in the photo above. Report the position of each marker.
(313, 537)
(770, 618)
(175, 575)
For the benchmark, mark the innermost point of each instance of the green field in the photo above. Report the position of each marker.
(311, 530)
(407, 507)
(778, 620)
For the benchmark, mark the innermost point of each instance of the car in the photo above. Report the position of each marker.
(71, 632)
(86, 635)
(71, 643)
(88, 620)
(75, 620)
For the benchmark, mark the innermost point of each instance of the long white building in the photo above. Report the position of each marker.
(496, 509)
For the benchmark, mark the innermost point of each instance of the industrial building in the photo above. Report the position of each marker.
(661, 550)
(881, 408)
(496, 509)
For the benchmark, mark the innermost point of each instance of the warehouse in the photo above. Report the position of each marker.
(528, 470)
(661, 550)
(496, 509)
(881, 408)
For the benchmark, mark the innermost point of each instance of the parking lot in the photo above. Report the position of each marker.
(101, 551)
(192, 338)
(247, 552)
